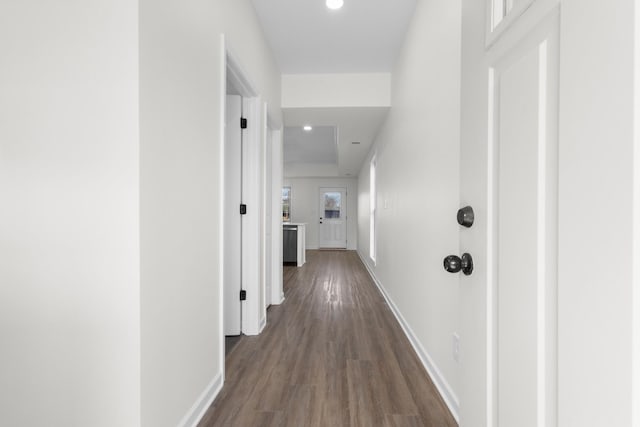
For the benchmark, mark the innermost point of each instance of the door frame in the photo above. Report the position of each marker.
(232, 253)
(276, 159)
(271, 185)
(267, 253)
(252, 230)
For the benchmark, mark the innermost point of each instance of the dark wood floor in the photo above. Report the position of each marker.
(332, 354)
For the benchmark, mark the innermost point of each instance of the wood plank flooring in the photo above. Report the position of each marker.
(332, 354)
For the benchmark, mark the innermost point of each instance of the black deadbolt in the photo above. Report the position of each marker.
(454, 264)
(465, 216)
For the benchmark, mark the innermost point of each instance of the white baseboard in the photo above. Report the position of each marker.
(197, 411)
(263, 323)
(278, 300)
(449, 397)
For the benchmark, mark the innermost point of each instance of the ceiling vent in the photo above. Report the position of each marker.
(355, 142)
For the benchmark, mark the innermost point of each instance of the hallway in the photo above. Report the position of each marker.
(331, 355)
(117, 191)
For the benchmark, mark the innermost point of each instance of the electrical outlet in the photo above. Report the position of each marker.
(456, 347)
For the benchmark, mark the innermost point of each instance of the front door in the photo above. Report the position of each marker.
(509, 176)
(333, 218)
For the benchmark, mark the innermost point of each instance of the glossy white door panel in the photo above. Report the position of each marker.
(510, 175)
(525, 182)
(517, 231)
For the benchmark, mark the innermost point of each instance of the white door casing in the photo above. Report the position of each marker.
(232, 225)
(332, 211)
(277, 291)
(268, 229)
(509, 175)
(252, 239)
(253, 309)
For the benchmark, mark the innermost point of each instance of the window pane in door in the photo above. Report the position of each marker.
(286, 204)
(332, 203)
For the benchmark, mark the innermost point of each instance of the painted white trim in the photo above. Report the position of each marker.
(204, 401)
(635, 328)
(498, 22)
(264, 144)
(542, 238)
(263, 324)
(373, 207)
(252, 232)
(277, 293)
(237, 76)
(443, 387)
(273, 123)
(492, 267)
(520, 20)
(221, 188)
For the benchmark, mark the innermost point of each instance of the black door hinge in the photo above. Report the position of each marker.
(243, 123)
(243, 295)
(243, 209)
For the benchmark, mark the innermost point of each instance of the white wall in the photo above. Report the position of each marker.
(417, 153)
(181, 72)
(305, 202)
(69, 269)
(310, 169)
(336, 90)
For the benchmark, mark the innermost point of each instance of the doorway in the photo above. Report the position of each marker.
(232, 233)
(241, 204)
(332, 212)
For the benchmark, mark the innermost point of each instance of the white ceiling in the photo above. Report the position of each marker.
(353, 124)
(364, 36)
(316, 146)
(306, 37)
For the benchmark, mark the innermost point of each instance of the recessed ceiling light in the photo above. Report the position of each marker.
(307, 128)
(334, 4)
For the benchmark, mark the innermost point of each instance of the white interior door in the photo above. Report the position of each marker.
(333, 218)
(232, 221)
(515, 242)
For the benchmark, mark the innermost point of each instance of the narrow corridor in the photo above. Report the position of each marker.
(332, 354)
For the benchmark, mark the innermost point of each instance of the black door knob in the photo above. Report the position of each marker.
(465, 216)
(454, 264)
